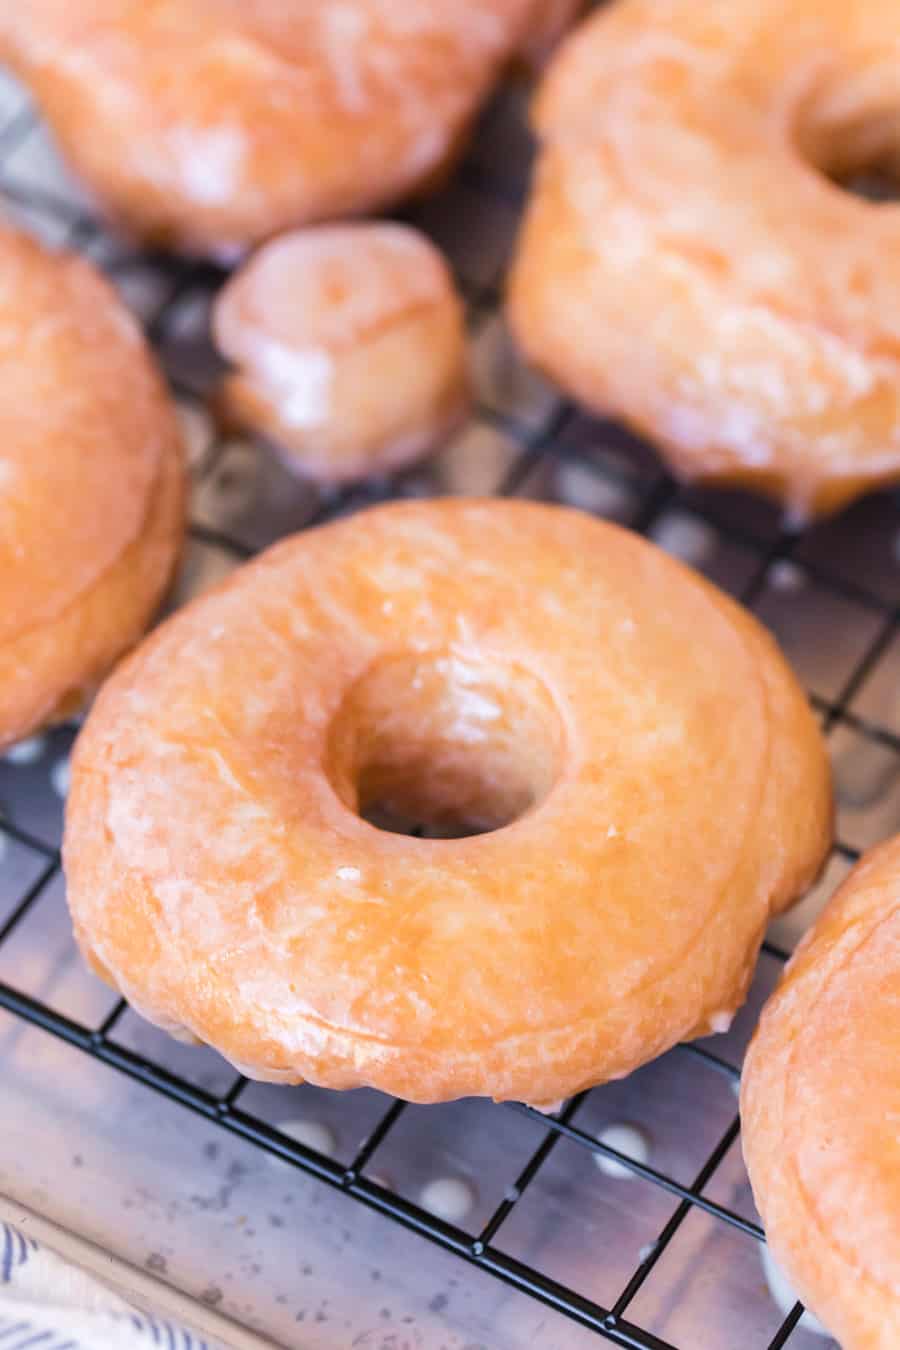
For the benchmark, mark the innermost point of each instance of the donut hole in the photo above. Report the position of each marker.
(444, 746)
(860, 155)
(872, 184)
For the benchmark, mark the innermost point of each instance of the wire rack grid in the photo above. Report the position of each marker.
(831, 595)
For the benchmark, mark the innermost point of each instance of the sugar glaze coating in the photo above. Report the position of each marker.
(642, 805)
(688, 265)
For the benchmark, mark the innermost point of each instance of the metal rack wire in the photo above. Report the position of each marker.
(540, 437)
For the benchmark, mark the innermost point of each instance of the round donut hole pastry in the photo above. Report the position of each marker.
(348, 349)
(620, 776)
(820, 1101)
(91, 485)
(687, 262)
(208, 126)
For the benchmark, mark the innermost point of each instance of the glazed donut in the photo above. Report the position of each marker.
(350, 348)
(645, 803)
(210, 125)
(687, 265)
(91, 490)
(820, 1101)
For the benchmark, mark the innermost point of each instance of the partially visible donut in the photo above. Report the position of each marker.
(210, 125)
(349, 348)
(687, 265)
(91, 484)
(649, 783)
(820, 1104)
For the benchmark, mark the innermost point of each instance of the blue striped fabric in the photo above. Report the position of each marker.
(23, 1335)
(16, 1334)
(14, 1251)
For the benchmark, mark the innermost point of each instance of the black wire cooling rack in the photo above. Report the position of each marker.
(846, 572)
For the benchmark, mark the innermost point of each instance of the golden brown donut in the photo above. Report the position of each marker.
(650, 777)
(686, 263)
(209, 125)
(91, 490)
(820, 1102)
(350, 348)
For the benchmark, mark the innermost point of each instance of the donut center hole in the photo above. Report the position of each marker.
(444, 746)
(861, 157)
